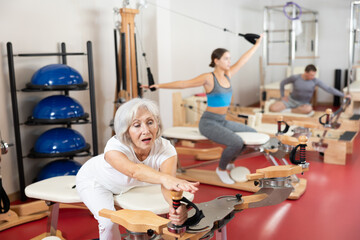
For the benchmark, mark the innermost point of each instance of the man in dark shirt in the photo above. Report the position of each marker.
(303, 89)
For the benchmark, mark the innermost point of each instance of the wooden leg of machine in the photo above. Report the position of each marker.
(52, 223)
(201, 154)
(178, 110)
(23, 213)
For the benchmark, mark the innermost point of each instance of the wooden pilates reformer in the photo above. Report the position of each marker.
(11, 216)
(214, 153)
(14, 215)
(324, 137)
(347, 122)
(272, 150)
(335, 139)
(209, 218)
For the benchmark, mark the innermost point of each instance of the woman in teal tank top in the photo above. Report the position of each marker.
(218, 90)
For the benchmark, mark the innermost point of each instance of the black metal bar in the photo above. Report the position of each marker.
(137, 70)
(346, 77)
(118, 84)
(312, 45)
(16, 121)
(337, 85)
(45, 54)
(64, 61)
(92, 97)
(123, 60)
(63, 52)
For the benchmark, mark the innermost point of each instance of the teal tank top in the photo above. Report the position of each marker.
(219, 96)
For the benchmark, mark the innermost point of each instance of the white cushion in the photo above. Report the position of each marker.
(276, 85)
(310, 114)
(354, 87)
(193, 134)
(60, 189)
(239, 174)
(270, 128)
(56, 189)
(184, 133)
(146, 198)
(253, 138)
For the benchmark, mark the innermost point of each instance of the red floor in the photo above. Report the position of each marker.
(329, 209)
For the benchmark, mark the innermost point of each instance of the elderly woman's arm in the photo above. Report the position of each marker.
(165, 177)
(144, 173)
(178, 216)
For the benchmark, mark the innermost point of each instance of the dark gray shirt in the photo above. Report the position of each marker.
(303, 89)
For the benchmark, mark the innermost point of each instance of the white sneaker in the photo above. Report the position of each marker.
(286, 110)
(230, 166)
(224, 176)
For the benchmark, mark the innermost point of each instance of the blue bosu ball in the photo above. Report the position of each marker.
(59, 140)
(56, 74)
(56, 168)
(58, 107)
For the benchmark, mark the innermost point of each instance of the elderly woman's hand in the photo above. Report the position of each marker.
(176, 184)
(178, 216)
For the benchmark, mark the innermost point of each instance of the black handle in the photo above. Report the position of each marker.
(150, 79)
(327, 121)
(251, 37)
(4, 200)
(302, 159)
(195, 219)
(286, 129)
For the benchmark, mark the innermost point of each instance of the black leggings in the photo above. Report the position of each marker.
(216, 128)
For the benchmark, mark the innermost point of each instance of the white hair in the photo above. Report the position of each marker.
(126, 113)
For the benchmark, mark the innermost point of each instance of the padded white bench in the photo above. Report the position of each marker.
(62, 189)
(193, 134)
(271, 129)
(354, 87)
(355, 97)
(276, 85)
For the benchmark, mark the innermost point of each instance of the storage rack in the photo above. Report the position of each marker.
(353, 42)
(15, 107)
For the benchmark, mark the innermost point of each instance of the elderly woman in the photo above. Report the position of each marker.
(135, 156)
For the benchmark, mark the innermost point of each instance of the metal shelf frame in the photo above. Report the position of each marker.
(15, 104)
(289, 44)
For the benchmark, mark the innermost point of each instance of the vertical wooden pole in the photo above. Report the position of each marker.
(128, 27)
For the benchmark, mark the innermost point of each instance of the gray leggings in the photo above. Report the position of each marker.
(216, 128)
